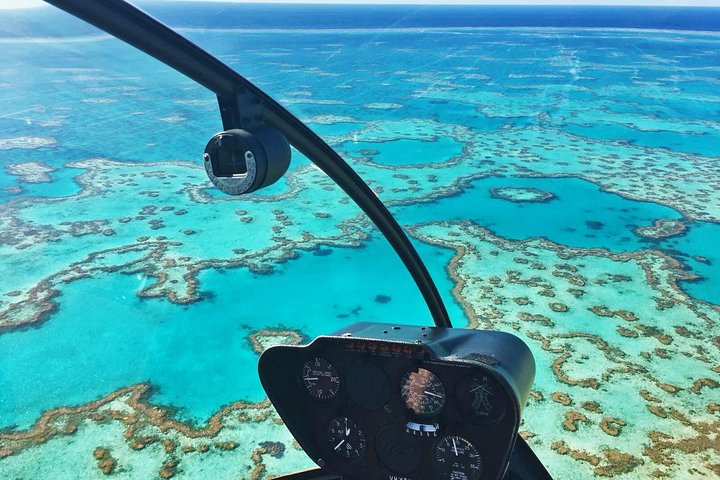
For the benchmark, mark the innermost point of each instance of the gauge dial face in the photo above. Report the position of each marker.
(483, 398)
(457, 459)
(423, 393)
(345, 439)
(320, 379)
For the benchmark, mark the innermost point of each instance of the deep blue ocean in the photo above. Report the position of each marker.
(319, 16)
(433, 16)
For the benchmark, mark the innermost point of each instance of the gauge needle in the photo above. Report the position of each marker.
(339, 444)
(432, 394)
(347, 430)
(455, 447)
(311, 378)
(484, 389)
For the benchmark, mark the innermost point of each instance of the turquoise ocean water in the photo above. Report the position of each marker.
(619, 127)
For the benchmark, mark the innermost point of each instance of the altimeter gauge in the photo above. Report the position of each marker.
(345, 439)
(423, 393)
(457, 459)
(320, 379)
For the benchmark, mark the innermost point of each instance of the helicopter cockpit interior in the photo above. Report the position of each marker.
(558, 311)
(378, 401)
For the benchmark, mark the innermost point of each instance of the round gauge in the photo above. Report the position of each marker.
(482, 397)
(423, 393)
(320, 379)
(346, 440)
(457, 459)
(368, 386)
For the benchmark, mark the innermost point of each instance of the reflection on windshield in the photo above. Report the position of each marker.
(561, 184)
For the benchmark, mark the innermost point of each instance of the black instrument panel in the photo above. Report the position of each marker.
(398, 411)
(388, 408)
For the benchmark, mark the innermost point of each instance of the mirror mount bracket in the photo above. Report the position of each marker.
(133, 26)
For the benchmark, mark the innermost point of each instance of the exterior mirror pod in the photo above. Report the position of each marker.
(240, 161)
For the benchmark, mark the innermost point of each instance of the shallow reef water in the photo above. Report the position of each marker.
(561, 184)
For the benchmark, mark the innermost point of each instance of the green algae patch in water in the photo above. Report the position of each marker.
(515, 194)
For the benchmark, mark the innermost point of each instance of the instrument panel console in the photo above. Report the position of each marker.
(398, 402)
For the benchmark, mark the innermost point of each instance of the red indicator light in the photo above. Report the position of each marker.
(395, 348)
(372, 346)
(384, 347)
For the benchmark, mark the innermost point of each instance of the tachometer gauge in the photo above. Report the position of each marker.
(345, 439)
(457, 459)
(482, 397)
(423, 393)
(320, 379)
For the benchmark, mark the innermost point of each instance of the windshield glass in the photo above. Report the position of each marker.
(561, 182)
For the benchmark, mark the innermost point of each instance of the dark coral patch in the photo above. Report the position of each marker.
(382, 298)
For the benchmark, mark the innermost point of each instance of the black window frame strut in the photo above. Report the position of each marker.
(244, 105)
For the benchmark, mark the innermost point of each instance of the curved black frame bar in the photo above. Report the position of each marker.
(243, 105)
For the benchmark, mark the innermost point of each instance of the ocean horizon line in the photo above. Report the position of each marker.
(386, 17)
(359, 30)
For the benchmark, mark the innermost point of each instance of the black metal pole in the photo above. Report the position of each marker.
(137, 28)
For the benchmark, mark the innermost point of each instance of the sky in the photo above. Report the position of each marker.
(12, 4)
